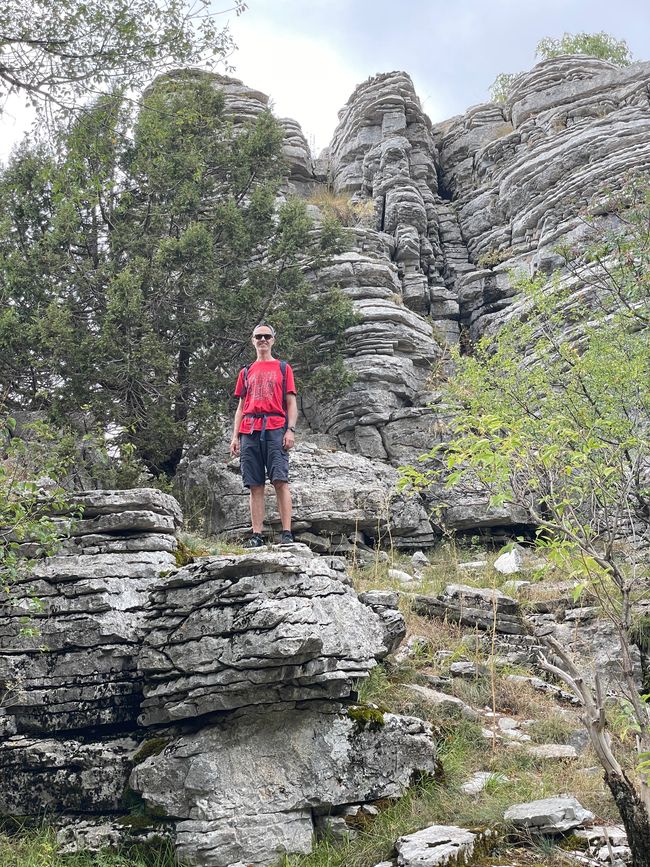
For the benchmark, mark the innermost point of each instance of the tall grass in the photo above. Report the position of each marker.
(38, 847)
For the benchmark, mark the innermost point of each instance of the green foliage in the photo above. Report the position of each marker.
(552, 417)
(600, 45)
(501, 86)
(138, 262)
(494, 257)
(58, 53)
(152, 747)
(344, 210)
(552, 411)
(27, 502)
(367, 717)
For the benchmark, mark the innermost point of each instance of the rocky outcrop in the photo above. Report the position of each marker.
(341, 500)
(593, 640)
(246, 789)
(383, 150)
(72, 626)
(256, 630)
(217, 701)
(522, 175)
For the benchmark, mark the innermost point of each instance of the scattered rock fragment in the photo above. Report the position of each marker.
(548, 815)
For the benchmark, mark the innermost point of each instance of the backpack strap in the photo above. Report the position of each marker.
(245, 372)
(283, 371)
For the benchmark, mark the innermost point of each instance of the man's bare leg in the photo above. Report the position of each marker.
(257, 507)
(283, 495)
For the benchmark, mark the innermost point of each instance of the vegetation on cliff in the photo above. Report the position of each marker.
(601, 45)
(553, 417)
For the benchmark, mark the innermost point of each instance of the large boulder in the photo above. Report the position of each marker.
(246, 789)
(254, 629)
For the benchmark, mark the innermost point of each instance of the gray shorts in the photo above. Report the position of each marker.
(261, 456)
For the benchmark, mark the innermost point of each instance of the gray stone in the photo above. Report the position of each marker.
(307, 760)
(63, 775)
(385, 604)
(479, 780)
(438, 844)
(94, 503)
(473, 606)
(448, 705)
(553, 751)
(242, 630)
(76, 664)
(333, 492)
(401, 576)
(419, 560)
(548, 815)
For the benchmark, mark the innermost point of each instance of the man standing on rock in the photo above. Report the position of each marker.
(264, 431)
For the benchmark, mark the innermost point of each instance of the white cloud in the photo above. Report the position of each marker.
(306, 78)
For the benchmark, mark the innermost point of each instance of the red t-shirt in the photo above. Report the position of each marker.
(264, 394)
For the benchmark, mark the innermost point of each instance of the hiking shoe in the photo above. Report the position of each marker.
(286, 538)
(255, 541)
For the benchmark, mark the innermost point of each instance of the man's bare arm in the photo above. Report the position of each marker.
(234, 442)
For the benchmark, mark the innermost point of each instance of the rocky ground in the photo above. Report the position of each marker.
(242, 703)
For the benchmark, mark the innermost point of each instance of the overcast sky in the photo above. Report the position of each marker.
(309, 55)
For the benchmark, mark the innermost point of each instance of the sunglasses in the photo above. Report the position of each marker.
(262, 337)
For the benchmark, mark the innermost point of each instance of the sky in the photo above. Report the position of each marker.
(309, 55)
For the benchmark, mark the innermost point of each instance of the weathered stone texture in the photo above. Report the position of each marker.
(336, 495)
(72, 625)
(521, 174)
(260, 628)
(244, 790)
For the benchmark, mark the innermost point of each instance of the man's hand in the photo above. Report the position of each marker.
(234, 446)
(289, 440)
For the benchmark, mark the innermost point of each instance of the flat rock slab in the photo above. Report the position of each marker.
(94, 503)
(447, 704)
(237, 631)
(473, 606)
(548, 815)
(553, 751)
(439, 844)
(243, 790)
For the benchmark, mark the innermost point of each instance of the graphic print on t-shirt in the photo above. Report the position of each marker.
(261, 386)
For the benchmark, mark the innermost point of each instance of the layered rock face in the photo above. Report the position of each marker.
(218, 693)
(235, 632)
(72, 627)
(523, 174)
(340, 500)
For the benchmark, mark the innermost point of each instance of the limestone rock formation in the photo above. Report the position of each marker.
(340, 500)
(521, 175)
(240, 631)
(245, 789)
(456, 207)
(217, 700)
(72, 624)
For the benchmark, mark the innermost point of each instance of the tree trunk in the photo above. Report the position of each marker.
(634, 815)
